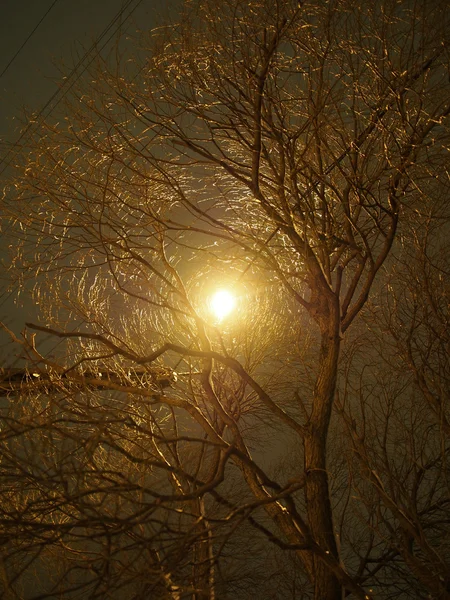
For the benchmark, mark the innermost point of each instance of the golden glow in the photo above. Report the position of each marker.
(222, 303)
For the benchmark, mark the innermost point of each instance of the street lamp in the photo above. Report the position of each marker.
(222, 303)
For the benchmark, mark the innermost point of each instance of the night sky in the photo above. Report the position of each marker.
(70, 26)
(67, 29)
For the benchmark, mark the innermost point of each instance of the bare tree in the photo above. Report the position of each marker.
(275, 147)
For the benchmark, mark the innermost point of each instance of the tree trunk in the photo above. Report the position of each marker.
(203, 567)
(320, 518)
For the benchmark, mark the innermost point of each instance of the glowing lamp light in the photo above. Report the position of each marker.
(222, 303)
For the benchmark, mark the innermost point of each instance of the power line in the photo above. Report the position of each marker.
(70, 81)
(26, 41)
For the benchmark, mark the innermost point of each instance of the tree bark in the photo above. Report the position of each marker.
(203, 567)
(319, 510)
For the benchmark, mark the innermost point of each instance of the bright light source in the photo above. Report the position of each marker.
(222, 303)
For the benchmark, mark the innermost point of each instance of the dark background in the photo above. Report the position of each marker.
(70, 27)
(40, 40)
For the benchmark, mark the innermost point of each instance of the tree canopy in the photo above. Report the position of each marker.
(296, 155)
